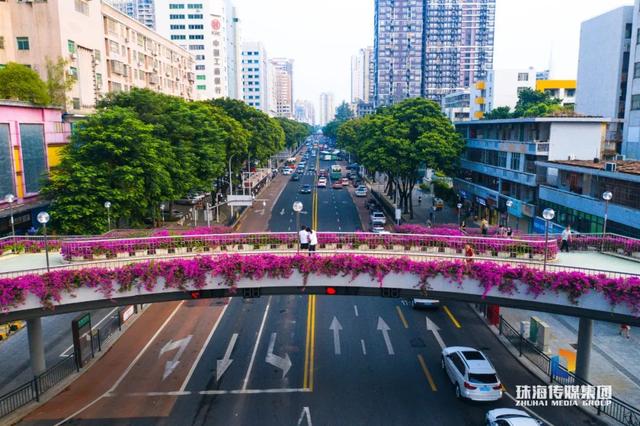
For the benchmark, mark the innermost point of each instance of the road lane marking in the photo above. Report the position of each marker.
(402, 318)
(364, 348)
(312, 354)
(451, 317)
(66, 352)
(208, 392)
(427, 373)
(527, 409)
(355, 309)
(432, 327)
(225, 362)
(305, 414)
(179, 346)
(255, 348)
(281, 362)
(128, 369)
(384, 328)
(305, 379)
(336, 327)
(204, 347)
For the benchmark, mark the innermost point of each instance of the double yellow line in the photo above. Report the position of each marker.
(314, 196)
(310, 347)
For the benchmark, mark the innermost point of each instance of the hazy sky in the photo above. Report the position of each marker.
(321, 36)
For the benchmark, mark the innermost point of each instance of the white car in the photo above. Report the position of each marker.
(378, 217)
(378, 228)
(510, 417)
(425, 303)
(471, 373)
(322, 183)
(361, 191)
(287, 171)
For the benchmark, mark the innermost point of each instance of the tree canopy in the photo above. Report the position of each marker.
(399, 139)
(294, 132)
(343, 114)
(531, 103)
(21, 83)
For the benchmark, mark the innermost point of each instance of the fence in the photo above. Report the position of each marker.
(618, 410)
(35, 388)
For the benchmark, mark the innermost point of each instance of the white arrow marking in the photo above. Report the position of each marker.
(355, 308)
(282, 212)
(382, 326)
(171, 365)
(432, 327)
(283, 363)
(336, 327)
(305, 413)
(224, 363)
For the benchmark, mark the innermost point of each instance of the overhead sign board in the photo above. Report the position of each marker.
(240, 200)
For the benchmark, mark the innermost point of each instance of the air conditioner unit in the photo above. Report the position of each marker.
(74, 56)
(610, 167)
(619, 157)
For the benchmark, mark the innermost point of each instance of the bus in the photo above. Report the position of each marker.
(336, 172)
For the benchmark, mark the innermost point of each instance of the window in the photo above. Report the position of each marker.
(627, 30)
(201, 77)
(201, 87)
(1, 42)
(196, 47)
(73, 71)
(177, 27)
(97, 55)
(174, 16)
(520, 89)
(99, 80)
(200, 67)
(636, 70)
(523, 76)
(195, 16)
(176, 6)
(570, 93)
(196, 27)
(502, 159)
(82, 7)
(635, 102)
(23, 43)
(200, 57)
(6, 169)
(195, 6)
(33, 155)
(178, 37)
(515, 161)
(196, 37)
(71, 45)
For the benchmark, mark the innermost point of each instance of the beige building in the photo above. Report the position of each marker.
(283, 86)
(105, 49)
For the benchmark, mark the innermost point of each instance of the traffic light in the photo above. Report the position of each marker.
(331, 291)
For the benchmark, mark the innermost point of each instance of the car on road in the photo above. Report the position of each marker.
(361, 191)
(295, 177)
(323, 173)
(377, 217)
(424, 303)
(305, 189)
(345, 181)
(322, 183)
(378, 228)
(510, 417)
(337, 185)
(312, 169)
(471, 373)
(287, 171)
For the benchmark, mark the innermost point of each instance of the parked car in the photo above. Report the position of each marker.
(377, 217)
(337, 185)
(361, 191)
(287, 171)
(471, 373)
(425, 303)
(305, 189)
(295, 177)
(177, 214)
(345, 181)
(322, 183)
(510, 417)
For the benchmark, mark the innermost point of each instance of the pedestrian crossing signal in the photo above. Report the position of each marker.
(195, 295)
(331, 291)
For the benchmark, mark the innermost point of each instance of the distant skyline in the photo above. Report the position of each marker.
(321, 36)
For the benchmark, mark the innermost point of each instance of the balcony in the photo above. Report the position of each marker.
(590, 205)
(532, 147)
(479, 100)
(528, 179)
(480, 85)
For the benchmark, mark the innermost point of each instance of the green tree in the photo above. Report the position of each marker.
(59, 82)
(499, 113)
(112, 156)
(343, 112)
(294, 132)
(533, 103)
(21, 83)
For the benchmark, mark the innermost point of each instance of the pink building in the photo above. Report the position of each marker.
(31, 138)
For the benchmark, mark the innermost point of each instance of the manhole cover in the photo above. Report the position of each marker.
(417, 342)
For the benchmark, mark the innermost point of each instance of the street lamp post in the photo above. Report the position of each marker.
(607, 196)
(459, 206)
(434, 208)
(162, 207)
(43, 218)
(10, 198)
(509, 203)
(107, 205)
(297, 207)
(548, 215)
(230, 184)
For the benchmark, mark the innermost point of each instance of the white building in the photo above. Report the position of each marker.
(305, 112)
(456, 105)
(272, 90)
(501, 88)
(142, 10)
(200, 28)
(254, 70)
(327, 110)
(234, 47)
(362, 76)
(602, 79)
(283, 85)
(631, 143)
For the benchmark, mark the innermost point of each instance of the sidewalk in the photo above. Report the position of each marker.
(614, 359)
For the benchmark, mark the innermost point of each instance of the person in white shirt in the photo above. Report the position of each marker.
(304, 238)
(566, 239)
(313, 240)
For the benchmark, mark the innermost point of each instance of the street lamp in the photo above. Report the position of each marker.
(230, 180)
(509, 203)
(297, 207)
(607, 196)
(434, 214)
(162, 207)
(459, 205)
(10, 198)
(107, 205)
(43, 218)
(548, 215)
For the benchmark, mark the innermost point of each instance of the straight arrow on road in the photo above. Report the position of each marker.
(432, 327)
(224, 363)
(384, 328)
(180, 345)
(336, 327)
(283, 363)
(305, 414)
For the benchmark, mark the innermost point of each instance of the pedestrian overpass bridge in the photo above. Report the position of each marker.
(93, 273)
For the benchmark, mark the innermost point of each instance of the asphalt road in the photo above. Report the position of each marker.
(303, 360)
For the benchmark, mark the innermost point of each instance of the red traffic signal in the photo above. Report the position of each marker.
(195, 295)
(331, 291)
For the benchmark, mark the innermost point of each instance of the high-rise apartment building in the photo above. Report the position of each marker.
(361, 76)
(327, 108)
(283, 86)
(106, 50)
(430, 48)
(142, 10)
(201, 28)
(305, 112)
(254, 70)
(234, 48)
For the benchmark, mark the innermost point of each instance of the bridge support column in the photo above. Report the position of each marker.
(585, 338)
(36, 346)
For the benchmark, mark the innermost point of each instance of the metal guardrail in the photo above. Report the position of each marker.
(618, 410)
